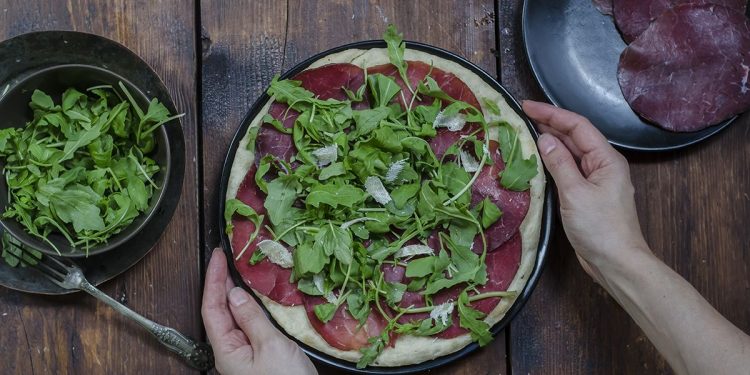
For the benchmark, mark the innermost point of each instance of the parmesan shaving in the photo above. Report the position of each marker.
(375, 187)
(468, 162)
(442, 312)
(326, 155)
(394, 170)
(412, 250)
(318, 281)
(276, 253)
(453, 123)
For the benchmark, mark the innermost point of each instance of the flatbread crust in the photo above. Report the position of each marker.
(411, 349)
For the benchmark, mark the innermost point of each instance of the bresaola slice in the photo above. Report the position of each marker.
(342, 331)
(689, 69)
(603, 6)
(634, 16)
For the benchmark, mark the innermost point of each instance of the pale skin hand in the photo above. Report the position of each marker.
(600, 220)
(243, 339)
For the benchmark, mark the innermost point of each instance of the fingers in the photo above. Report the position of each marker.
(584, 135)
(559, 162)
(216, 316)
(250, 318)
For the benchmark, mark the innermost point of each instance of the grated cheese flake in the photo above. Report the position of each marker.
(276, 253)
(394, 170)
(453, 123)
(318, 282)
(375, 187)
(442, 312)
(412, 250)
(326, 155)
(468, 162)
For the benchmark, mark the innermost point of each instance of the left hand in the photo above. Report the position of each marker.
(243, 339)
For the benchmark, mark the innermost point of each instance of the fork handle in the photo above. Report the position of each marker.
(199, 355)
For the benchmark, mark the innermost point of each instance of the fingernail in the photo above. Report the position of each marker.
(547, 143)
(237, 296)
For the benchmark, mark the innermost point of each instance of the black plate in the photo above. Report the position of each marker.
(574, 51)
(545, 234)
(39, 50)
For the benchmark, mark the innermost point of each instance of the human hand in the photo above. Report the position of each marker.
(243, 339)
(593, 182)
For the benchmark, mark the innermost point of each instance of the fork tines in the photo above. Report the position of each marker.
(52, 268)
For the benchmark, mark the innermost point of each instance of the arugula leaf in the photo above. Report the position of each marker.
(335, 195)
(332, 240)
(471, 319)
(490, 212)
(367, 120)
(377, 344)
(308, 259)
(358, 307)
(396, 47)
(282, 192)
(420, 267)
(518, 171)
(40, 100)
(325, 311)
(236, 206)
(383, 89)
(333, 170)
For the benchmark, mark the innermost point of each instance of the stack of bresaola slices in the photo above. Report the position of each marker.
(687, 63)
(385, 205)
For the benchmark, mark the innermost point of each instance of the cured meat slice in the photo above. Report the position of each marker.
(265, 277)
(689, 69)
(448, 82)
(634, 16)
(513, 204)
(342, 331)
(502, 266)
(326, 82)
(604, 6)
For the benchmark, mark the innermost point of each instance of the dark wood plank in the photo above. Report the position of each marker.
(693, 206)
(240, 58)
(76, 334)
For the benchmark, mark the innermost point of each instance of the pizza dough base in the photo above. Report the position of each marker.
(411, 349)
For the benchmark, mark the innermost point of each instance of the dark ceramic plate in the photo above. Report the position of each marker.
(545, 234)
(574, 51)
(23, 56)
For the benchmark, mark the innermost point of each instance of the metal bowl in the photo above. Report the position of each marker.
(544, 235)
(54, 80)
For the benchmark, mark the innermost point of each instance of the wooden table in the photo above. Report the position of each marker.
(217, 56)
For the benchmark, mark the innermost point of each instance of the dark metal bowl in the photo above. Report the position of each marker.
(54, 80)
(544, 236)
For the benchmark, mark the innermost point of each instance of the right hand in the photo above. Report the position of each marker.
(593, 182)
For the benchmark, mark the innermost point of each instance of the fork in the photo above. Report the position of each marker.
(67, 275)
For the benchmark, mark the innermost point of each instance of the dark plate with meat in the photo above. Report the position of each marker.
(349, 179)
(574, 51)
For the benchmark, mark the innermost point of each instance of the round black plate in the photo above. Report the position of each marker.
(38, 50)
(544, 239)
(574, 51)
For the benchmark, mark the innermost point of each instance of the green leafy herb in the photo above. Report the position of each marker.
(518, 171)
(472, 320)
(82, 168)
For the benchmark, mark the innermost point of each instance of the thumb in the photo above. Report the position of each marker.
(559, 162)
(250, 318)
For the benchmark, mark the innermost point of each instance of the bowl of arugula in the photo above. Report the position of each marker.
(84, 155)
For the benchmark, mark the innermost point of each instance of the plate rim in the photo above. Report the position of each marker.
(544, 235)
(535, 71)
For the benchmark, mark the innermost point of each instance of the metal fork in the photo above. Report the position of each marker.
(66, 274)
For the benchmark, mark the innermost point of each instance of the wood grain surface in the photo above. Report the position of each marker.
(693, 204)
(76, 334)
